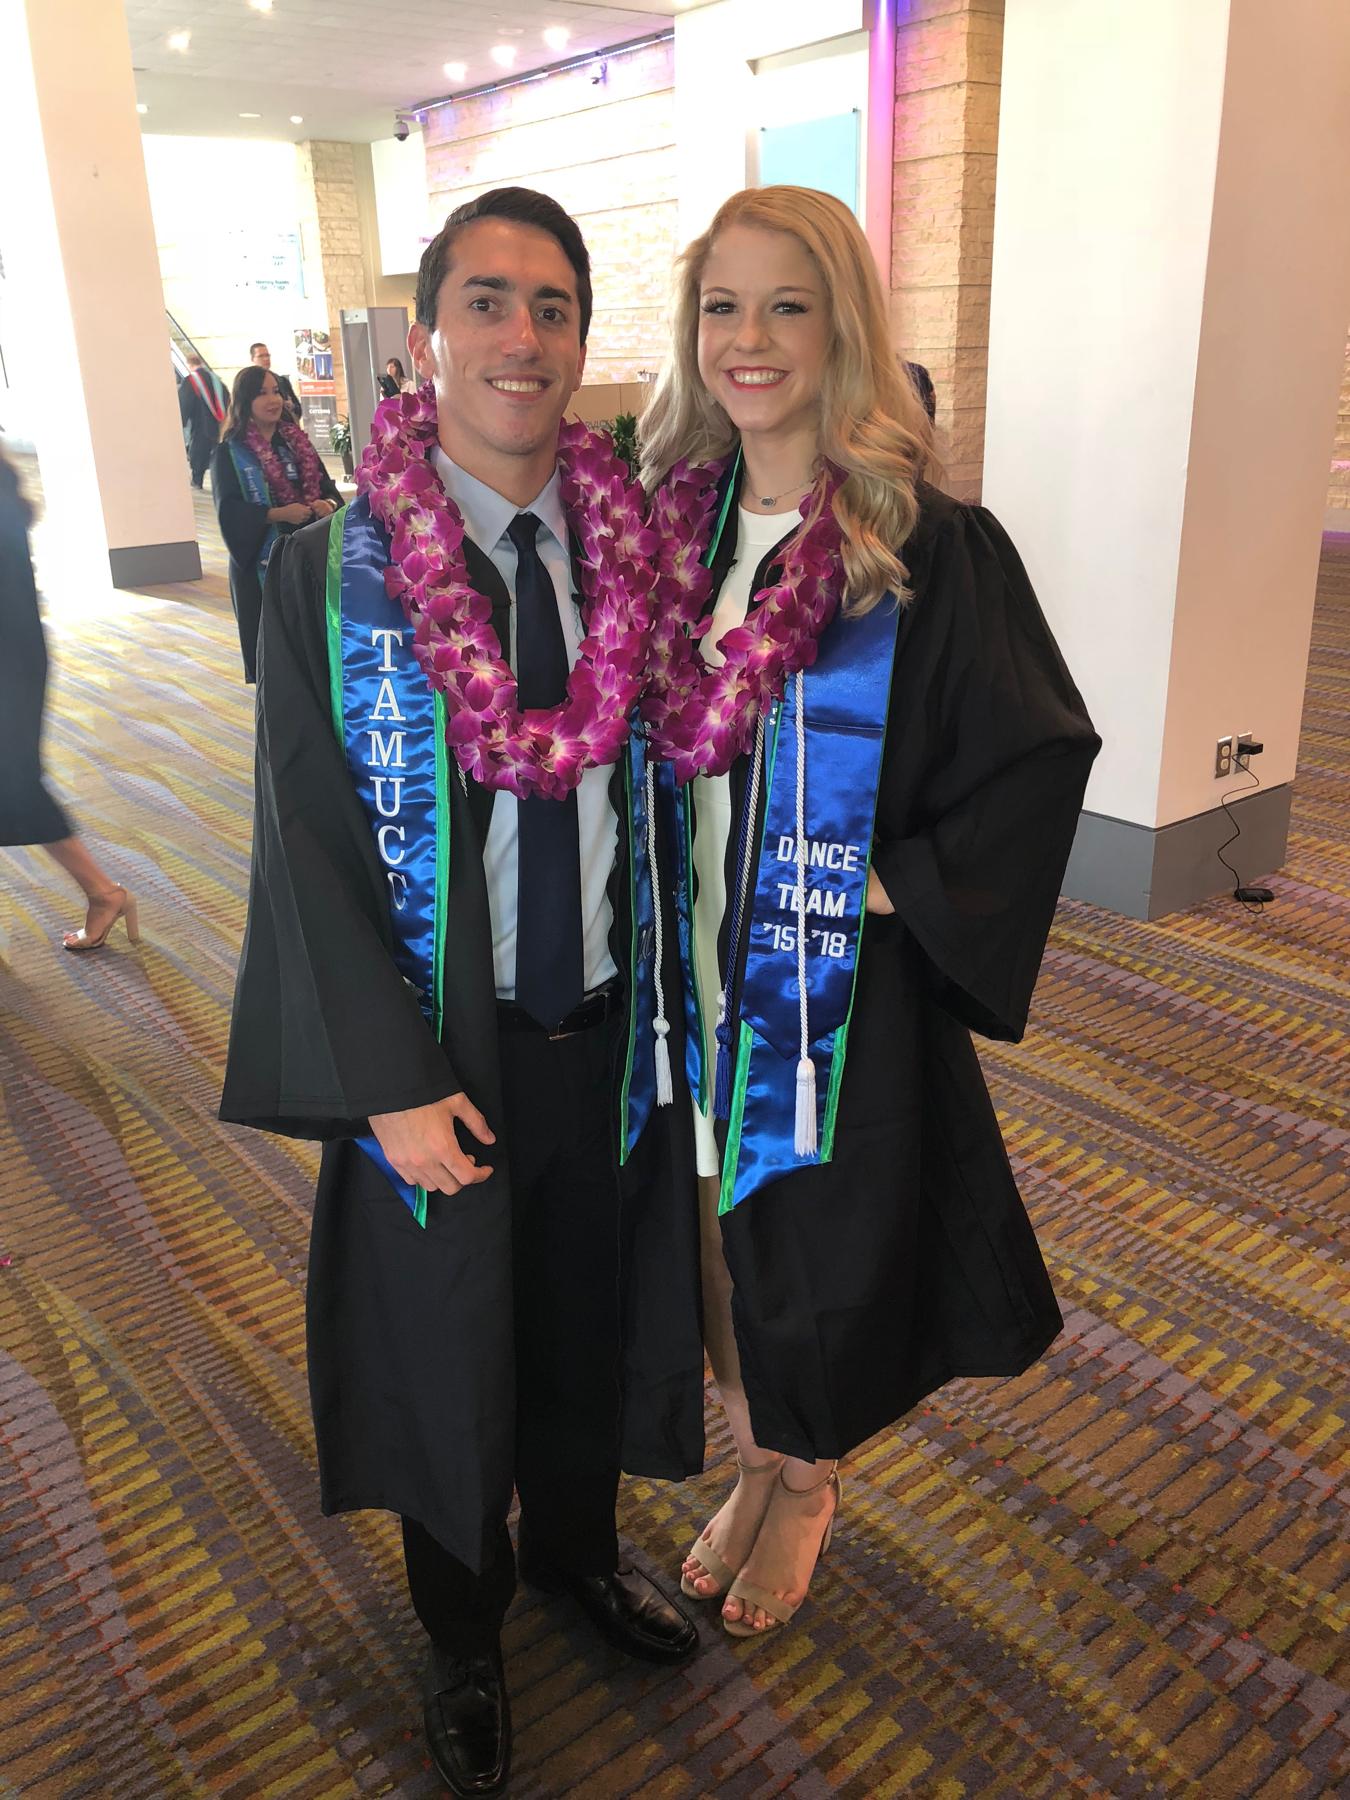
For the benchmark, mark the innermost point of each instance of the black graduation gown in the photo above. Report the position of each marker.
(410, 1329)
(200, 424)
(908, 1260)
(28, 812)
(243, 525)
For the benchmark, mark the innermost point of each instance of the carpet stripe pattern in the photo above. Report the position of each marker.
(1123, 1574)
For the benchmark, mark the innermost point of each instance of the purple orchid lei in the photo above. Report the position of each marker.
(279, 484)
(541, 751)
(701, 718)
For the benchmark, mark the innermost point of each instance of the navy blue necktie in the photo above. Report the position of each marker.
(550, 974)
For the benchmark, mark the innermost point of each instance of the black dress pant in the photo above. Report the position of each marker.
(562, 1156)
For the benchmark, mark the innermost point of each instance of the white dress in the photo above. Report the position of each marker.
(711, 799)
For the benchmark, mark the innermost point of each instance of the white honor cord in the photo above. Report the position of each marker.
(665, 1086)
(804, 1139)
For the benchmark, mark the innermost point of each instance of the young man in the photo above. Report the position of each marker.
(540, 1328)
(262, 356)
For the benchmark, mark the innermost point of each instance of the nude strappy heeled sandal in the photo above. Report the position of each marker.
(780, 1611)
(704, 1551)
(126, 909)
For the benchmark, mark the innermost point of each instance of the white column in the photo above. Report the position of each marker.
(89, 339)
(1171, 279)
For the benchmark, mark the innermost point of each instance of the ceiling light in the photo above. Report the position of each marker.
(503, 55)
(456, 71)
(261, 5)
(179, 40)
(141, 107)
(557, 37)
(250, 115)
(297, 118)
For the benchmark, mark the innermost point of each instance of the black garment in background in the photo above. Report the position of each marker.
(28, 813)
(922, 383)
(201, 424)
(412, 1354)
(565, 1242)
(388, 386)
(864, 1284)
(243, 525)
(290, 399)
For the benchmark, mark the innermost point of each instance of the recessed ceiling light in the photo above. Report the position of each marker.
(179, 40)
(557, 37)
(250, 115)
(141, 107)
(503, 55)
(261, 5)
(455, 71)
(297, 118)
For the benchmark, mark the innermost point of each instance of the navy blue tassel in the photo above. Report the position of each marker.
(722, 1081)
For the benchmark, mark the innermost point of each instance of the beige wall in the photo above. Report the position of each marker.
(1157, 445)
(607, 154)
(80, 247)
(948, 68)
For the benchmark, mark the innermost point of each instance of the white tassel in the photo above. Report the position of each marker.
(665, 1086)
(804, 1140)
(804, 1137)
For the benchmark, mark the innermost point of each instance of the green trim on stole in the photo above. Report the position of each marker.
(336, 701)
(632, 959)
(744, 1042)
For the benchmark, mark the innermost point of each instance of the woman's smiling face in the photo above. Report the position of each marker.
(764, 330)
(267, 405)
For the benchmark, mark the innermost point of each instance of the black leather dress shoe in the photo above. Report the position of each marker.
(627, 1609)
(468, 1721)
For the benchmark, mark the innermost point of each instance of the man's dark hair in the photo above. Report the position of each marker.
(522, 206)
(260, 345)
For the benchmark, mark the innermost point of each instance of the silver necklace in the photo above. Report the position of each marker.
(773, 499)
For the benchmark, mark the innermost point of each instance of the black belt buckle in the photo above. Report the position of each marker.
(592, 1009)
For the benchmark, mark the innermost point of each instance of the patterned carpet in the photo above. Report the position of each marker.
(1124, 1574)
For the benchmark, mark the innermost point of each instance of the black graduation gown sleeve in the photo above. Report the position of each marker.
(325, 1030)
(988, 749)
(243, 522)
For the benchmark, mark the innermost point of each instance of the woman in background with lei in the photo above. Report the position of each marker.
(878, 760)
(267, 481)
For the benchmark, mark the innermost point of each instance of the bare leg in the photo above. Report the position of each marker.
(732, 1533)
(105, 896)
(780, 1560)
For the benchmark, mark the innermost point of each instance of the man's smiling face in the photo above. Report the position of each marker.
(505, 353)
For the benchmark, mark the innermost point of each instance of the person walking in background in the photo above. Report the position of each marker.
(28, 813)
(394, 381)
(882, 759)
(261, 358)
(202, 404)
(267, 480)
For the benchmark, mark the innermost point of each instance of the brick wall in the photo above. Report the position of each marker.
(948, 67)
(1338, 494)
(606, 153)
(330, 238)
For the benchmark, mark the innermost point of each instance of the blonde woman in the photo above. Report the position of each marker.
(876, 759)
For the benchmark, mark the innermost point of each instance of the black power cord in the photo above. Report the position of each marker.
(1255, 899)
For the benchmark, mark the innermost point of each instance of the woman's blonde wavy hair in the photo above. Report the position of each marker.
(873, 426)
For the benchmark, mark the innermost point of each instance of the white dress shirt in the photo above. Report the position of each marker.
(486, 515)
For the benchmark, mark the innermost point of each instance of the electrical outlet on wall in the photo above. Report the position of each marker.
(1242, 756)
(1224, 754)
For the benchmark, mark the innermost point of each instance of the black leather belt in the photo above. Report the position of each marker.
(592, 1009)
